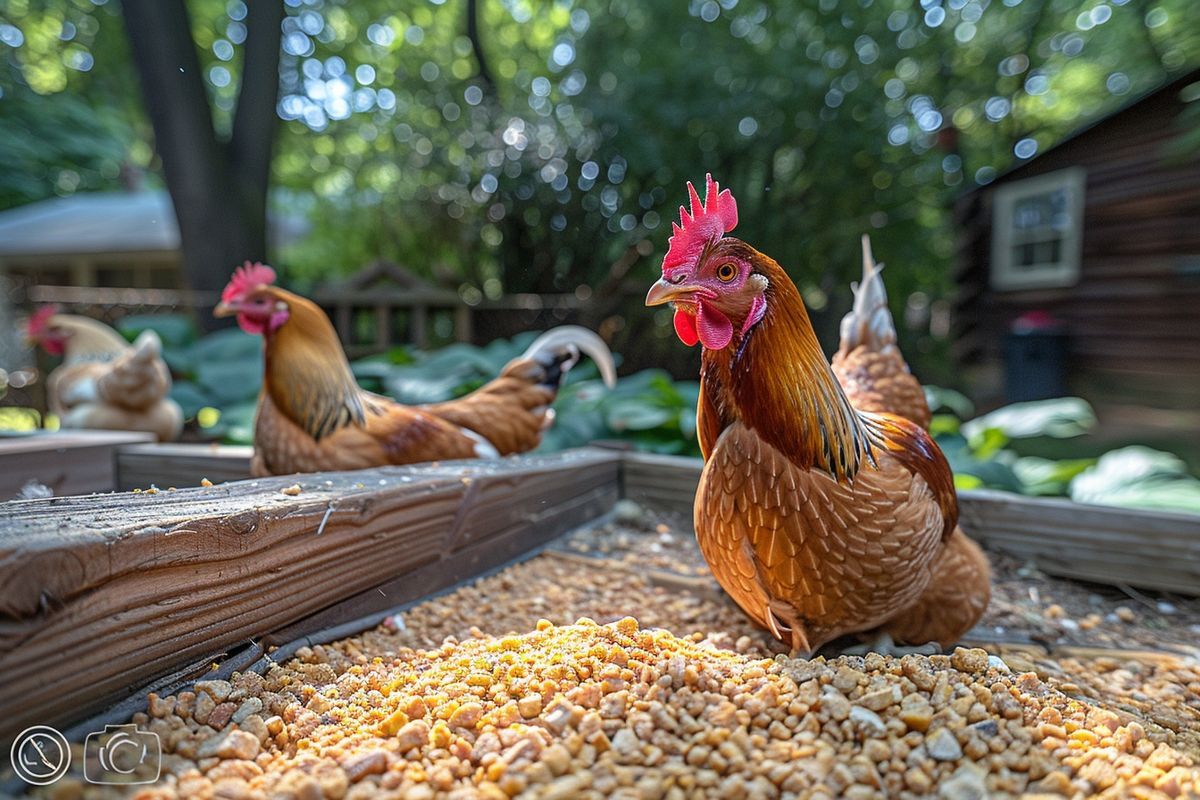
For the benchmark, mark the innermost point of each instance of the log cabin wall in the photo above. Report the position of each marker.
(1133, 318)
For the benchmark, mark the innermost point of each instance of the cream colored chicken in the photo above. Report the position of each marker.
(104, 382)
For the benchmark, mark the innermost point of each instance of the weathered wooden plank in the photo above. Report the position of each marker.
(1151, 549)
(69, 462)
(104, 593)
(141, 466)
(666, 482)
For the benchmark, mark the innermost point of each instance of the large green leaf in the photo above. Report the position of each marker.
(1044, 476)
(175, 330)
(1139, 477)
(1061, 417)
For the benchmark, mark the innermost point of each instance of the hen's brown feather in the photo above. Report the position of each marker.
(805, 554)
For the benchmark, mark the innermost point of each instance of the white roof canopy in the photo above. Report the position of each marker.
(105, 222)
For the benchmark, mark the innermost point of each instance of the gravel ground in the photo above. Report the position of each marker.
(538, 682)
(1027, 605)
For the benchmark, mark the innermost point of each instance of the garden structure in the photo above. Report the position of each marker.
(290, 635)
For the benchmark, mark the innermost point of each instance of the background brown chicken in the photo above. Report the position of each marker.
(313, 416)
(818, 518)
(104, 382)
(875, 377)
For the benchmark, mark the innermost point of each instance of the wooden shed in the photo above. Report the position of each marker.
(1100, 232)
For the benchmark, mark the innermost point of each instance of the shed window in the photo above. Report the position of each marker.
(1037, 231)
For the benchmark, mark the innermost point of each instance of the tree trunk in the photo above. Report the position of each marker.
(218, 188)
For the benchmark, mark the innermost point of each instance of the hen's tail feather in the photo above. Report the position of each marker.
(869, 322)
(559, 349)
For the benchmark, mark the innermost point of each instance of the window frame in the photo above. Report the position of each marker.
(1005, 276)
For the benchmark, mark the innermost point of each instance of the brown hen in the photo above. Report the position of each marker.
(818, 518)
(313, 416)
(875, 377)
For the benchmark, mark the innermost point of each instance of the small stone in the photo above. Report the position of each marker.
(530, 705)
(972, 660)
(202, 707)
(251, 705)
(881, 699)
(218, 690)
(942, 746)
(319, 703)
(986, 728)
(917, 718)
(414, 734)
(965, 784)
(466, 716)
(238, 744)
(556, 758)
(160, 707)
(867, 721)
(372, 763)
(625, 742)
(221, 715)
(627, 512)
(1054, 611)
(292, 491)
(1125, 614)
(997, 663)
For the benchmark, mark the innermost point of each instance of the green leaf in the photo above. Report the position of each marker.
(175, 330)
(938, 398)
(1139, 477)
(1060, 418)
(1043, 476)
(967, 482)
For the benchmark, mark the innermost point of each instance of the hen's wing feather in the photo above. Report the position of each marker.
(136, 379)
(390, 434)
(510, 411)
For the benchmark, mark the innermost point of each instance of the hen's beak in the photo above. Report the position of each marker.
(664, 292)
(224, 309)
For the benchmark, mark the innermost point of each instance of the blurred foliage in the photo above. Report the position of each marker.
(531, 157)
(983, 454)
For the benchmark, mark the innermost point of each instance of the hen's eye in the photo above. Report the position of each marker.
(727, 272)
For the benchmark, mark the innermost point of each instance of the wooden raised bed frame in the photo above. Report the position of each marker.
(104, 595)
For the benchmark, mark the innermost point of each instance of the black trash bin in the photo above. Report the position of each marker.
(1035, 358)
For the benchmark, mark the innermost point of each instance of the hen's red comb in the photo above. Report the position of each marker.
(245, 278)
(41, 318)
(707, 222)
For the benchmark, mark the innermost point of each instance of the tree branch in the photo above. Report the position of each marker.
(485, 74)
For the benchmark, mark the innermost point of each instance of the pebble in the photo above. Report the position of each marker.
(867, 721)
(943, 746)
(372, 763)
(965, 784)
(218, 690)
(414, 734)
(251, 705)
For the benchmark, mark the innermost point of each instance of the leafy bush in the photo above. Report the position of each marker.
(981, 454)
